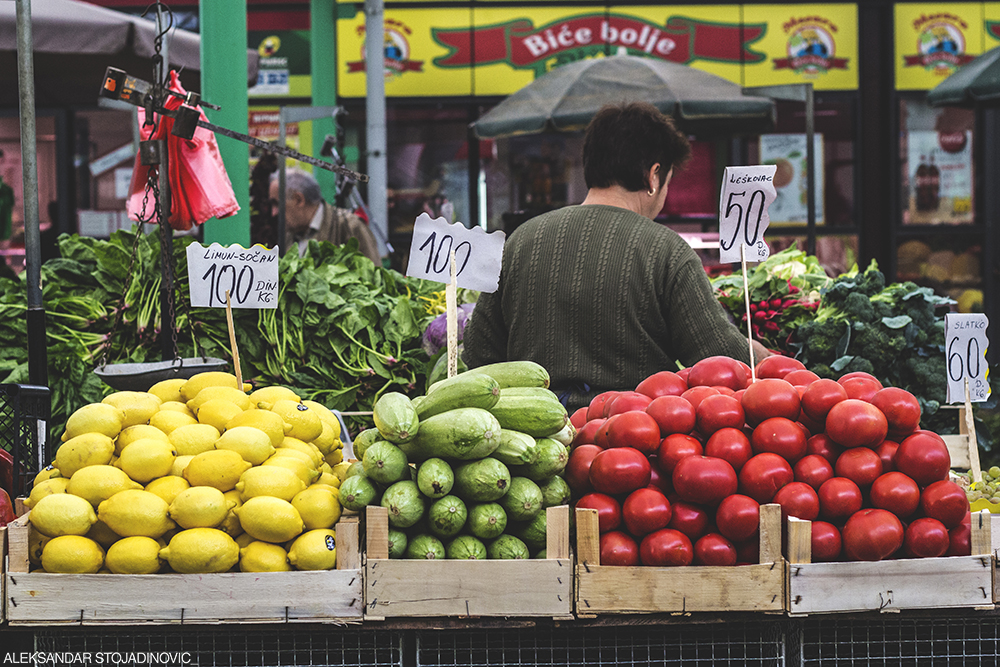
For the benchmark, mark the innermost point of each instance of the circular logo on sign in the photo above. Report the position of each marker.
(941, 44)
(269, 46)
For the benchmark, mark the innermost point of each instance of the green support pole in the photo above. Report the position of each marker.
(323, 70)
(224, 82)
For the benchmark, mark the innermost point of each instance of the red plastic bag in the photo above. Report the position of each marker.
(199, 185)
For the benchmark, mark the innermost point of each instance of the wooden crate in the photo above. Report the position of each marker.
(426, 588)
(646, 590)
(889, 585)
(39, 598)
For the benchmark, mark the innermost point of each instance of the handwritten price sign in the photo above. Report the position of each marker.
(747, 192)
(250, 276)
(477, 254)
(965, 355)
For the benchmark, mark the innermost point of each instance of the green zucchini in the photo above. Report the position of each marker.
(468, 390)
(515, 448)
(464, 434)
(536, 415)
(395, 418)
(516, 374)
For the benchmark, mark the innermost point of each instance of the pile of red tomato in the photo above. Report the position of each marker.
(677, 469)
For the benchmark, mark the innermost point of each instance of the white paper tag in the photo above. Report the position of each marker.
(477, 254)
(747, 192)
(250, 275)
(965, 356)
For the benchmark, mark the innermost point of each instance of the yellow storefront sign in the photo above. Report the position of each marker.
(814, 43)
(934, 39)
(991, 19)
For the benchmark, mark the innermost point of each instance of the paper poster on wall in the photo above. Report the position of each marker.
(940, 177)
(788, 153)
(283, 68)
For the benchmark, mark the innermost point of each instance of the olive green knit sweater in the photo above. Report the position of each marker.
(602, 298)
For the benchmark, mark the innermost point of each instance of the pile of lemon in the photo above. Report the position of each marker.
(193, 476)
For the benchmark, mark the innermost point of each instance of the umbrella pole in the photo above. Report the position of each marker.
(37, 360)
(810, 171)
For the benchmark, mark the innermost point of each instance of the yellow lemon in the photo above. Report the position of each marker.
(198, 382)
(269, 481)
(296, 454)
(324, 414)
(48, 472)
(131, 513)
(314, 550)
(168, 420)
(300, 468)
(168, 486)
(72, 554)
(231, 394)
(194, 439)
(177, 406)
(103, 535)
(335, 457)
(249, 442)
(36, 542)
(138, 406)
(199, 507)
(217, 412)
(318, 507)
(88, 449)
(199, 550)
(325, 468)
(62, 514)
(231, 525)
(304, 447)
(340, 469)
(270, 519)
(329, 479)
(180, 463)
(95, 418)
(265, 420)
(145, 460)
(271, 395)
(306, 425)
(243, 539)
(327, 440)
(134, 555)
(220, 468)
(263, 557)
(46, 488)
(168, 390)
(132, 433)
(98, 483)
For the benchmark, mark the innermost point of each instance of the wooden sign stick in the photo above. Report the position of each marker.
(746, 301)
(451, 298)
(970, 426)
(232, 343)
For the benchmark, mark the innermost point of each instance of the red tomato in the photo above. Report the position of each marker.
(860, 465)
(609, 512)
(781, 436)
(619, 470)
(924, 457)
(860, 374)
(683, 374)
(657, 480)
(626, 401)
(862, 389)
(800, 378)
(673, 413)
(901, 410)
(821, 444)
(777, 366)
(797, 499)
(634, 429)
(887, 452)
(646, 511)
(587, 434)
(738, 517)
(768, 398)
(696, 395)
(872, 534)
(825, 540)
(820, 396)
(813, 470)
(596, 408)
(689, 519)
(926, 538)
(577, 472)
(946, 502)
(717, 412)
(664, 383)
(714, 549)
(763, 475)
(578, 418)
(897, 493)
(839, 498)
(730, 444)
(618, 548)
(704, 479)
(601, 434)
(725, 391)
(666, 548)
(960, 538)
(674, 448)
(855, 423)
(746, 372)
(718, 371)
(809, 425)
(738, 395)
(748, 551)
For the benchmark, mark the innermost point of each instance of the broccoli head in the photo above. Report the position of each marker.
(820, 338)
(859, 308)
(871, 282)
(858, 363)
(926, 376)
(878, 342)
(824, 371)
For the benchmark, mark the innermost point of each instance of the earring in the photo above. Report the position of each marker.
(651, 192)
